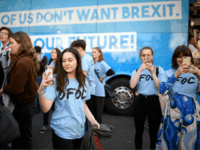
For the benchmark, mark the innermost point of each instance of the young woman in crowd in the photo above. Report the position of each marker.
(102, 70)
(22, 86)
(69, 91)
(180, 126)
(55, 57)
(147, 102)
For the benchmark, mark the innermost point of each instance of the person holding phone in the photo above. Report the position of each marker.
(147, 101)
(102, 70)
(70, 90)
(55, 57)
(180, 125)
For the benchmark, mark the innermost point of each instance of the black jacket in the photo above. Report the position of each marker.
(93, 135)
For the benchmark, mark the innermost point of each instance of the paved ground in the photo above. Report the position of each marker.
(123, 138)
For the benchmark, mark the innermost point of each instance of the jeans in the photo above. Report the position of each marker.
(23, 113)
(147, 106)
(60, 143)
(39, 80)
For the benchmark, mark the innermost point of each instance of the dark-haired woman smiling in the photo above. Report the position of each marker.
(180, 124)
(70, 90)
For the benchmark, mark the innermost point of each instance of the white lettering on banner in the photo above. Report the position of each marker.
(166, 10)
(108, 42)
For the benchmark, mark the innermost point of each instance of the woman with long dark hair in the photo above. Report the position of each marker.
(147, 102)
(22, 86)
(55, 57)
(102, 70)
(180, 123)
(69, 92)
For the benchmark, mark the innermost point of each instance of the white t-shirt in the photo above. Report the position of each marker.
(192, 48)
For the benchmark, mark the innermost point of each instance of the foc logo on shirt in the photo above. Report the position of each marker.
(146, 77)
(78, 93)
(182, 80)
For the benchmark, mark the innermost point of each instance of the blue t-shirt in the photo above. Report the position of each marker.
(101, 69)
(186, 84)
(68, 119)
(88, 65)
(52, 64)
(145, 84)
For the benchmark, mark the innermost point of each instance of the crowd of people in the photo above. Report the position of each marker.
(76, 93)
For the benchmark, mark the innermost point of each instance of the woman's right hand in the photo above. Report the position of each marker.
(45, 81)
(144, 65)
(183, 68)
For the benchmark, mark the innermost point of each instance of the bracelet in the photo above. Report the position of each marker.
(39, 92)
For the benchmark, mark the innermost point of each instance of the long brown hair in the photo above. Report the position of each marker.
(100, 51)
(26, 46)
(61, 79)
(58, 59)
(185, 51)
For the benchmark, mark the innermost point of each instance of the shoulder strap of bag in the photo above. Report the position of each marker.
(97, 74)
(156, 70)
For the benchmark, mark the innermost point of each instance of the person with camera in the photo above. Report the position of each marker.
(69, 91)
(147, 102)
(180, 126)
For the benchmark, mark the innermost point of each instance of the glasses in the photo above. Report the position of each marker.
(3, 33)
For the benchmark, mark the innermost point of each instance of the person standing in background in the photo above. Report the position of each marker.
(102, 70)
(22, 86)
(5, 34)
(43, 63)
(87, 66)
(193, 46)
(147, 102)
(55, 57)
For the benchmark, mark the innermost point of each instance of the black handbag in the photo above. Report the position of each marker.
(9, 129)
(107, 87)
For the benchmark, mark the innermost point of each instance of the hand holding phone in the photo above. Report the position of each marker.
(187, 60)
(49, 69)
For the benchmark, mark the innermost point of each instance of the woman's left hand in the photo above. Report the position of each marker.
(1, 91)
(150, 67)
(95, 123)
(101, 79)
(195, 71)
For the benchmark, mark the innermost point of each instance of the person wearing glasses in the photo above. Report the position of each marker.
(5, 34)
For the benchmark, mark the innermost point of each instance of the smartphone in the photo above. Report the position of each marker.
(197, 55)
(49, 69)
(187, 60)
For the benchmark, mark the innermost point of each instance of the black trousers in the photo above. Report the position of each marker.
(23, 113)
(60, 143)
(147, 106)
(46, 116)
(95, 104)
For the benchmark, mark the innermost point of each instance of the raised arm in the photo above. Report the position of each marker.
(45, 103)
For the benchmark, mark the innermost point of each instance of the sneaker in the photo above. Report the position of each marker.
(43, 129)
